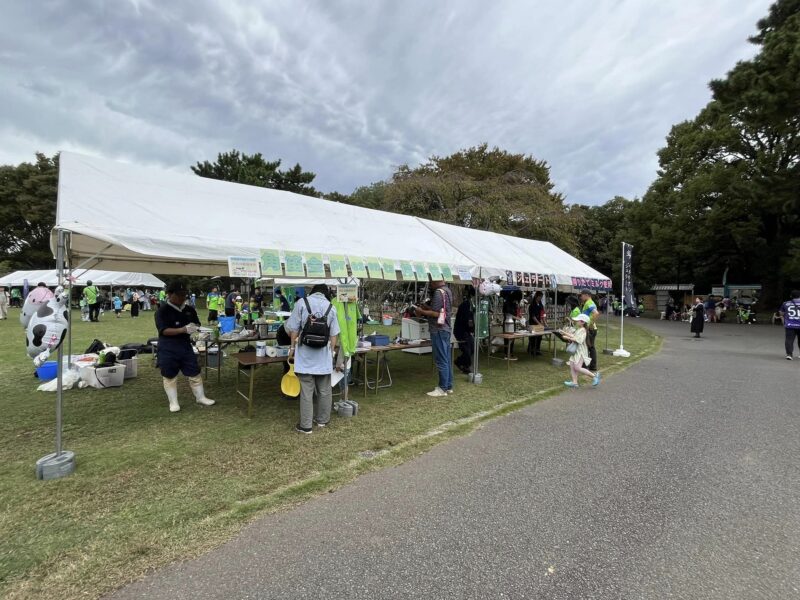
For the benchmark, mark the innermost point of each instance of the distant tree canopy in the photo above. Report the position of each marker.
(480, 188)
(727, 194)
(27, 213)
(252, 169)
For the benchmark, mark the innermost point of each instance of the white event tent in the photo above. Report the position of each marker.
(134, 218)
(82, 276)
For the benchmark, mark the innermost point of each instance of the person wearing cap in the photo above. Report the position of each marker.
(589, 308)
(580, 359)
(441, 302)
(176, 321)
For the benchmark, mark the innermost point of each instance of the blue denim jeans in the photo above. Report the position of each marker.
(440, 340)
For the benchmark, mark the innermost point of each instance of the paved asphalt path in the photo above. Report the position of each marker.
(677, 478)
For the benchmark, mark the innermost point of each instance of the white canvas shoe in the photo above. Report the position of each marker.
(437, 393)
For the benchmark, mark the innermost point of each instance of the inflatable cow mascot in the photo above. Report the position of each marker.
(46, 325)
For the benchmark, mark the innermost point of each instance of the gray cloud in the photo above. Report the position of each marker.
(352, 89)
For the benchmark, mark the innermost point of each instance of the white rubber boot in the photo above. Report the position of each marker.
(196, 383)
(171, 387)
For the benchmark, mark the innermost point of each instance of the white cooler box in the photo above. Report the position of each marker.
(103, 377)
(131, 363)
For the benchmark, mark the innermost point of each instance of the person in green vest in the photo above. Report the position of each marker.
(16, 297)
(91, 295)
(212, 303)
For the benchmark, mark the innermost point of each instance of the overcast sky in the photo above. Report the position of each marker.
(352, 89)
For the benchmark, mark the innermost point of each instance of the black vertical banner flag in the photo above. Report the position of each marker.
(627, 270)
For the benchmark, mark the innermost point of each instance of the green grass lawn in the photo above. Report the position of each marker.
(152, 487)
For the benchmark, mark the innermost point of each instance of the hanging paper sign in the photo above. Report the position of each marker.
(585, 282)
(447, 273)
(357, 267)
(374, 267)
(314, 265)
(464, 274)
(294, 265)
(518, 278)
(271, 263)
(347, 292)
(388, 269)
(407, 270)
(245, 267)
(337, 265)
(436, 272)
(421, 271)
(526, 279)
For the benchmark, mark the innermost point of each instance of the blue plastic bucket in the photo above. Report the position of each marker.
(226, 324)
(48, 370)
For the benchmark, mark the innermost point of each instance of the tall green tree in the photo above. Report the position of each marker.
(480, 188)
(727, 193)
(253, 169)
(28, 213)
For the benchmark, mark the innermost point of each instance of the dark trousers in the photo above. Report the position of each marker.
(535, 345)
(464, 360)
(791, 335)
(591, 334)
(94, 311)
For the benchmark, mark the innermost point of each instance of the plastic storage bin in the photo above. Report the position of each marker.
(387, 321)
(378, 340)
(130, 359)
(103, 377)
(226, 324)
(48, 370)
(214, 357)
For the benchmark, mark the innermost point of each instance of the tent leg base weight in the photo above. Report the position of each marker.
(608, 351)
(557, 362)
(55, 466)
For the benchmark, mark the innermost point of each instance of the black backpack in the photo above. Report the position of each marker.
(316, 332)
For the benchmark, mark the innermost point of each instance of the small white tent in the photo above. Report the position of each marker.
(82, 276)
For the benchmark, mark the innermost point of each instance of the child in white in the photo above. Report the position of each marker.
(578, 361)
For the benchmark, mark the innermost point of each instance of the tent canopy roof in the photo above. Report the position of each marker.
(135, 218)
(82, 276)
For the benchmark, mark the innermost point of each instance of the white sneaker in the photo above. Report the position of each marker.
(788, 357)
(437, 393)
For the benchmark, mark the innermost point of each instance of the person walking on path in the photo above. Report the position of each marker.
(790, 311)
(313, 329)
(589, 308)
(176, 321)
(4, 301)
(92, 296)
(580, 358)
(441, 304)
(698, 314)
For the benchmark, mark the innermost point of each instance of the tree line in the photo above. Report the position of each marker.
(726, 197)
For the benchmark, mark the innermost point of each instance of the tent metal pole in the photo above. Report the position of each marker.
(60, 368)
(61, 462)
(476, 343)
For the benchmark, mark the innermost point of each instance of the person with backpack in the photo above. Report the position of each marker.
(313, 330)
(790, 311)
(91, 295)
(438, 313)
